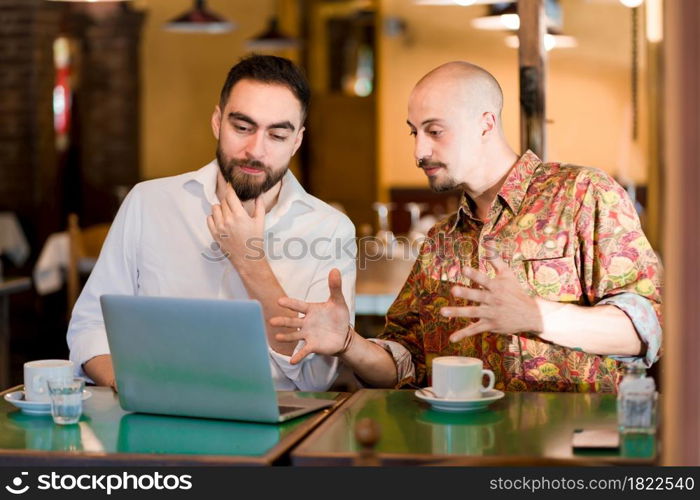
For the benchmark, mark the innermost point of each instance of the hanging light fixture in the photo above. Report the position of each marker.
(272, 38)
(631, 3)
(199, 20)
(504, 16)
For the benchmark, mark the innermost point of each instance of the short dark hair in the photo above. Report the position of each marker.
(268, 69)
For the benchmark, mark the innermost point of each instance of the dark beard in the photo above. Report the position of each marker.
(243, 184)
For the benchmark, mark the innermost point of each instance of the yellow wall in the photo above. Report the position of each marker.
(587, 93)
(587, 89)
(181, 77)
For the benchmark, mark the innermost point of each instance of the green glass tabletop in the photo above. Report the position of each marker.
(106, 429)
(534, 425)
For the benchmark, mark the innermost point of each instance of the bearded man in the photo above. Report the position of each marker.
(241, 227)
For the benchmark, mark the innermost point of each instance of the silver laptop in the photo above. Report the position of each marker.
(196, 358)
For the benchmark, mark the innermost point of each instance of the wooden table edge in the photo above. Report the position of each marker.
(301, 456)
(48, 457)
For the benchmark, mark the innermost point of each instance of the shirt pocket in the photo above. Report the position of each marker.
(554, 278)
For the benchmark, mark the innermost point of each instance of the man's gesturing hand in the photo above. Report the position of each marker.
(233, 229)
(503, 306)
(324, 326)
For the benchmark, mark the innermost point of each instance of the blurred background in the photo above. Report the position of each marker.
(97, 96)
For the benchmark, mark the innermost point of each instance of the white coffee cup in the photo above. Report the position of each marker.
(459, 377)
(36, 373)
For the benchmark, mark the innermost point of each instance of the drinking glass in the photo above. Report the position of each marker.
(66, 399)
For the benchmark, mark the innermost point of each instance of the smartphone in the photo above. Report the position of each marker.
(595, 439)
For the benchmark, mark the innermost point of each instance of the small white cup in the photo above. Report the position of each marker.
(36, 374)
(459, 377)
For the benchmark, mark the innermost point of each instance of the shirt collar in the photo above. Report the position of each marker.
(206, 178)
(291, 195)
(513, 190)
(291, 192)
(518, 180)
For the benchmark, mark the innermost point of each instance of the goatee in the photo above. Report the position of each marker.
(437, 186)
(247, 186)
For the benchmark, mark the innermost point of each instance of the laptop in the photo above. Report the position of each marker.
(196, 358)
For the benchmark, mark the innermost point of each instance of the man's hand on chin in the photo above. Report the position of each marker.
(235, 231)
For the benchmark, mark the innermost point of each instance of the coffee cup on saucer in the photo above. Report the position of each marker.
(37, 373)
(460, 378)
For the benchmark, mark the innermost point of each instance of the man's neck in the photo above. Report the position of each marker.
(269, 197)
(496, 166)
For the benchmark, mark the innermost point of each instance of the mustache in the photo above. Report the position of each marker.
(248, 164)
(423, 163)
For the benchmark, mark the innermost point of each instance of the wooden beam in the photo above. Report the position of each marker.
(681, 401)
(532, 61)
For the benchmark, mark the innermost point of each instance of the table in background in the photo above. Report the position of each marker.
(379, 281)
(7, 288)
(521, 429)
(107, 435)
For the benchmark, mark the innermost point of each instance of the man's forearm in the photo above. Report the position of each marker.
(262, 285)
(100, 370)
(604, 330)
(370, 362)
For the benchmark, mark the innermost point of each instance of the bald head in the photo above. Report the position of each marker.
(466, 84)
(454, 114)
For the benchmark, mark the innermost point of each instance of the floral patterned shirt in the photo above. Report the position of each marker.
(570, 234)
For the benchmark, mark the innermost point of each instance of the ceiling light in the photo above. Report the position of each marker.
(272, 38)
(199, 20)
(655, 21)
(631, 3)
(504, 16)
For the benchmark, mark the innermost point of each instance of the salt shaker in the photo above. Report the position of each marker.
(636, 401)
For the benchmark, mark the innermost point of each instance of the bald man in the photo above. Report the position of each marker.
(544, 272)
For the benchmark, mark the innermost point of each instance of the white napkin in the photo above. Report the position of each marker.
(13, 243)
(49, 271)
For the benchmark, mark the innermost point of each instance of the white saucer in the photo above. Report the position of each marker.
(16, 398)
(459, 405)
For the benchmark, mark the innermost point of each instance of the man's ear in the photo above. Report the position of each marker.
(297, 141)
(488, 123)
(216, 122)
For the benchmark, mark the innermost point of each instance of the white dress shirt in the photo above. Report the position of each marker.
(159, 245)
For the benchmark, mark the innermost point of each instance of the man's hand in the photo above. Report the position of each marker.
(503, 306)
(324, 326)
(233, 229)
(101, 371)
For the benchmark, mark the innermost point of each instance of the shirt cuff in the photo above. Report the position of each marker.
(405, 370)
(97, 345)
(640, 311)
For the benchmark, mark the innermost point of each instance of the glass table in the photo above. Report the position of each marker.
(107, 435)
(520, 429)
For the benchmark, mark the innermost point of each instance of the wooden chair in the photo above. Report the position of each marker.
(84, 247)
